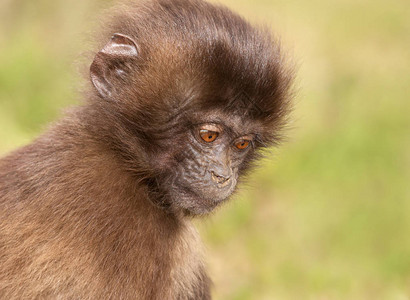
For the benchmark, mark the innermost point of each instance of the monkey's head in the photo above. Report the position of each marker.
(188, 93)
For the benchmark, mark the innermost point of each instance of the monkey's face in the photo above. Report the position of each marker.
(207, 170)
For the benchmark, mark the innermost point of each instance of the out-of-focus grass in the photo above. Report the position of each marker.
(326, 216)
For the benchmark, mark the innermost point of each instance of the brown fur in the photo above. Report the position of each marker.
(85, 211)
(75, 226)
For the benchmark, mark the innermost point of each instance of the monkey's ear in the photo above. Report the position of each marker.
(110, 64)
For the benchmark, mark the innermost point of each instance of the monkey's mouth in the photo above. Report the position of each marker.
(221, 181)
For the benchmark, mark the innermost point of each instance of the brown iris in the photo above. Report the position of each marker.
(242, 144)
(208, 135)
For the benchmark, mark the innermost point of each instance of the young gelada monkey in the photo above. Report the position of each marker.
(184, 95)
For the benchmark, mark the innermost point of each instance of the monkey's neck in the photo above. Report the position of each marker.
(119, 143)
(109, 157)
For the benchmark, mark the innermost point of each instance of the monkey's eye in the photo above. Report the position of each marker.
(208, 135)
(242, 144)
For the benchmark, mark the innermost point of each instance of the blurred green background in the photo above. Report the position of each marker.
(327, 216)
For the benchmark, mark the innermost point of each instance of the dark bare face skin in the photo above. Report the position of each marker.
(205, 172)
(208, 172)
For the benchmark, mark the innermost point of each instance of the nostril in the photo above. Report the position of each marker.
(219, 178)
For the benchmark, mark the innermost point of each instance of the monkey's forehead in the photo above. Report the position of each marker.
(236, 123)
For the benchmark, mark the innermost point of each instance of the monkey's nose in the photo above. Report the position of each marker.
(219, 179)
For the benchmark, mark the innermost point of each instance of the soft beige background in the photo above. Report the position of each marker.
(328, 215)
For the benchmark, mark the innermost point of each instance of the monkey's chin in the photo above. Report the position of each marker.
(198, 211)
(193, 204)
